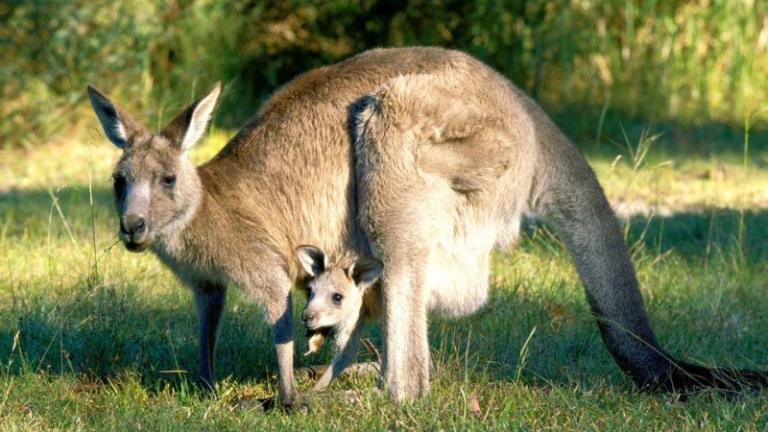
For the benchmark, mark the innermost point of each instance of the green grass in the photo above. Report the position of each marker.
(95, 338)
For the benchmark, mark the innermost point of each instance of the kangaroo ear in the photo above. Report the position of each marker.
(365, 272)
(188, 127)
(117, 124)
(312, 259)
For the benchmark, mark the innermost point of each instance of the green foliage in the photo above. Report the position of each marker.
(698, 61)
(52, 49)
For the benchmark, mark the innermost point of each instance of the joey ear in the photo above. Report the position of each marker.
(117, 124)
(312, 259)
(188, 127)
(365, 271)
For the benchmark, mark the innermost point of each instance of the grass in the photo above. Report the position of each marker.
(95, 338)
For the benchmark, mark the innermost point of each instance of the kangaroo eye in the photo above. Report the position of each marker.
(168, 180)
(119, 182)
(337, 298)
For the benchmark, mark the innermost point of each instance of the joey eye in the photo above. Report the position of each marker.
(168, 180)
(337, 298)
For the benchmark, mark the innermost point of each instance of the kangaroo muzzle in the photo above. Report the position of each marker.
(134, 226)
(133, 229)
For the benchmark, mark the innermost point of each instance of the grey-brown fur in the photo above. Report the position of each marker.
(424, 156)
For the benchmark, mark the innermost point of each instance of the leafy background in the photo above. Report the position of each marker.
(694, 63)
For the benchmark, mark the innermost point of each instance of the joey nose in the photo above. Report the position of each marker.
(134, 224)
(307, 316)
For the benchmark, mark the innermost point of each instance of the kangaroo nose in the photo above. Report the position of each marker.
(307, 316)
(134, 224)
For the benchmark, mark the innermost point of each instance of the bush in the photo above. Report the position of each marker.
(691, 61)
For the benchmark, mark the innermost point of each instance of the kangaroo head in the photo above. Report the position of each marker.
(156, 187)
(335, 293)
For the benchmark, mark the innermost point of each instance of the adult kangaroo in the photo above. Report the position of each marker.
(425, 157)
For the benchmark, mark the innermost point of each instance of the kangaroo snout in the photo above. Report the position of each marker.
(133, 224)
(133, 230)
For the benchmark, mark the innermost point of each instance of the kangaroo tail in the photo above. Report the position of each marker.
(566, 192)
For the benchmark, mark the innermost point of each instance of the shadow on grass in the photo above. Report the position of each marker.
(678, 139)
(694, 235)
(26, 213)
(108, 331)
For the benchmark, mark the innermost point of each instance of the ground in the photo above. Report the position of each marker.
(93, 337)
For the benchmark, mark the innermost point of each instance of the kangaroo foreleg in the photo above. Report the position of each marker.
(280, 319)
(210, 300)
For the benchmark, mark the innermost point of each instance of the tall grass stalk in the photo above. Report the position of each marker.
(742, 228)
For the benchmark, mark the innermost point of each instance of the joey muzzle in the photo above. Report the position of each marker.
(309, 318)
